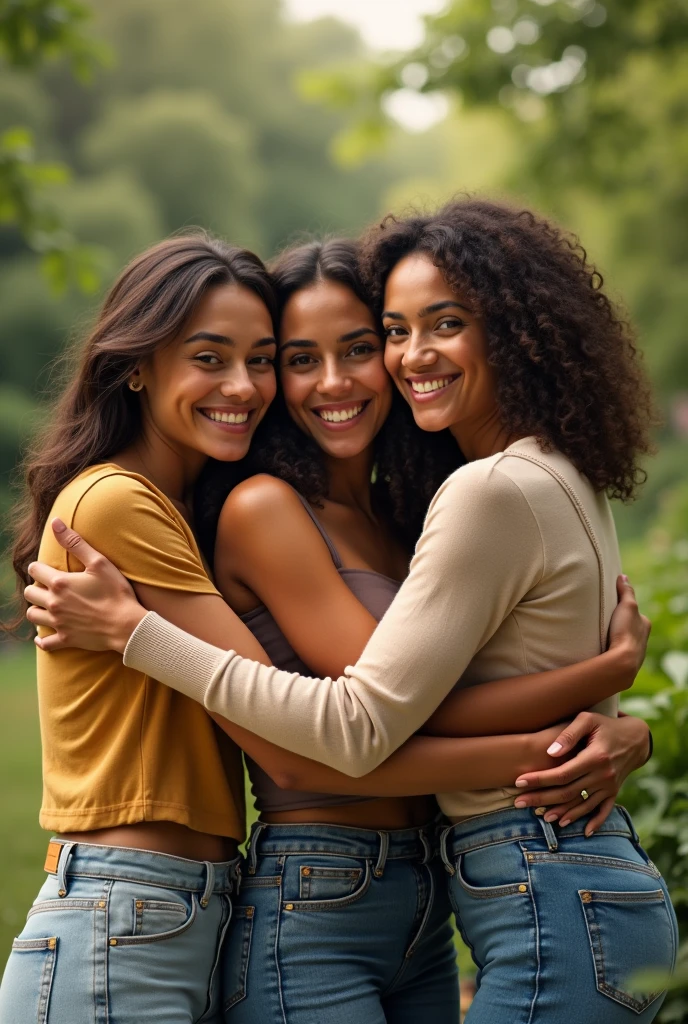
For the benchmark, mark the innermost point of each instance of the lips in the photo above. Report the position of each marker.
(342, 416)
(232, 420)
(426, 389)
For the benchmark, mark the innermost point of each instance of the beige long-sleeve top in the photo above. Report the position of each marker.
(514, 573)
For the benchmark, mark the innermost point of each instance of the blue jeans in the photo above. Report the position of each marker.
(559, 925)
(121, 936)
(339, 925)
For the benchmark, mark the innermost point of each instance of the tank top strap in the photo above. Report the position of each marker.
(338, 564)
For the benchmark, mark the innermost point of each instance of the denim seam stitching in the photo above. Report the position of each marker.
(593, 860)
(624, 999)
(344, 901)
(538, 958)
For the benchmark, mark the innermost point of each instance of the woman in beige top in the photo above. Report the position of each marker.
(485, 313)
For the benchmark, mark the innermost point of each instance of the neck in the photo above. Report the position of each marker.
(348, 480)
(484, 438)
(172, 469)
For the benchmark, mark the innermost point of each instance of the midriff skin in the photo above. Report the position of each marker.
(386, 813)
(160, 837)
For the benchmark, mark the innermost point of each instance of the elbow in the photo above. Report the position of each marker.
(287, 780)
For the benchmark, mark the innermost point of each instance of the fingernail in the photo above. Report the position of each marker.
(565, 822)
(521, 783)
(624, 577)
(520, 803)
(554, 749)
(540, 811)
(58, 526)
(589, 834)
(31, 568)
(551, 817)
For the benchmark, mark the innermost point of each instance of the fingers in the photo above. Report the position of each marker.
(603, 812)
(42, 573)
(563, 774)
(561, 795)
(624, 588)
(54, 642)
(40, 617)
(76, 545)
(39, 596)
(571, 736)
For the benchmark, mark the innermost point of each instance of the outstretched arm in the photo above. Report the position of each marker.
(355, 721)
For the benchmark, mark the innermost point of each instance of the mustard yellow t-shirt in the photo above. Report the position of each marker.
(119, 747)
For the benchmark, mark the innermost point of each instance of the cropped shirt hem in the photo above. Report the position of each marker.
(89, 818)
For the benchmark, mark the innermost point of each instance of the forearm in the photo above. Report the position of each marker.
(421, 766)
(527, 703)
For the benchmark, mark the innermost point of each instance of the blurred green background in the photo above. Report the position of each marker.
(121, 122)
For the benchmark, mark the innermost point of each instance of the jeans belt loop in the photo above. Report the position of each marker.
(382, 856)
(550, 835)
(252, 859)
(63, 863)
(209, 883)
(427, 848)
(444, 836)
(631, 827)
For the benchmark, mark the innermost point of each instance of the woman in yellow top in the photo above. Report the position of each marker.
(179, 367)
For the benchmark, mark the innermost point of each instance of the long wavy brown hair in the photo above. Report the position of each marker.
(567, 366)
(97, 415)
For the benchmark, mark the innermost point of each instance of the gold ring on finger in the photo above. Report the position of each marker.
(585, 794)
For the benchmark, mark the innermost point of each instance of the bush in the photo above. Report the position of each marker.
(657, 796)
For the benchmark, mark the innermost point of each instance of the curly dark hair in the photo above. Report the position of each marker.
(409, 464)
(567, 367)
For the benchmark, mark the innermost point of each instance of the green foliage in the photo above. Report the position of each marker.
(657, 796)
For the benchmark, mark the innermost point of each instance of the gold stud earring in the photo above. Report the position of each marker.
(135, 385)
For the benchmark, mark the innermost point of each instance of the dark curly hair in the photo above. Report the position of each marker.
(567, 367)
(409, 465)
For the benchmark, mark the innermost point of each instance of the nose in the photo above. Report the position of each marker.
(238, 385)
(418, 352)
(333, 381)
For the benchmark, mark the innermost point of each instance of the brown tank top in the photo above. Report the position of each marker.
(375, 592)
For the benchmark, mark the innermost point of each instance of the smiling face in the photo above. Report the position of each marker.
(208, 389)
(333, 376)
(436, 351)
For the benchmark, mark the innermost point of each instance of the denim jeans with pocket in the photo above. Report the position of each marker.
(339, 925)
(561, 927)
(121, 936)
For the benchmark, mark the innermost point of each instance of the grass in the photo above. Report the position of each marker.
(22, 850)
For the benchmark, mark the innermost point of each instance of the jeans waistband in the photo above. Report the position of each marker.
(86, 860)
(343, 841)
(510, 825)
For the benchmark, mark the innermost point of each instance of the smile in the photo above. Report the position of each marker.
(236, 422)
(428, 388)
(340, 417)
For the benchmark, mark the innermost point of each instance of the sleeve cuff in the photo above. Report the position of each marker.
(178, 659)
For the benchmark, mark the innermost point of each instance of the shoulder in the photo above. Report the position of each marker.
(266, 508)
(111, 499)
(481, 486)
(261, 496)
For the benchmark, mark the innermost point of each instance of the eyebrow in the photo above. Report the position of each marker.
(221, 339)
(434, 308)
(307, 343)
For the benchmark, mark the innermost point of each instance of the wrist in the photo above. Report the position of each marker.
(644, 740)
(626, 662)
(125, 626)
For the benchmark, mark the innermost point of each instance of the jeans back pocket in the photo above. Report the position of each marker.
(631, 934)
(28, 979)
(236, 956)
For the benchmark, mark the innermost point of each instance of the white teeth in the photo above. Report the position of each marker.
(226, 417)
(423, 386)
(339, 415)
